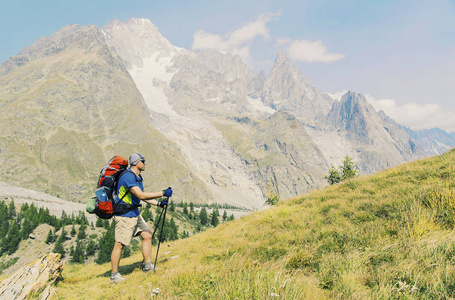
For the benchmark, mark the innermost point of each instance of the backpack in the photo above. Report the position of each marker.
(107, 187)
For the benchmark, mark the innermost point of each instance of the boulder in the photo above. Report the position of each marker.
(35, 279)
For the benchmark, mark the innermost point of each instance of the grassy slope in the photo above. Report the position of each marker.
(381, 236)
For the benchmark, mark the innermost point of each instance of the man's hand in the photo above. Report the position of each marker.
(167, 192)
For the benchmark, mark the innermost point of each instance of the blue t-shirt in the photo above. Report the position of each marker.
(127, 180)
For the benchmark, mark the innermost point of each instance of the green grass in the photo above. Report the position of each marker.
(384, 236)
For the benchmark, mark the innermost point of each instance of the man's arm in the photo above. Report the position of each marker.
(146, 197)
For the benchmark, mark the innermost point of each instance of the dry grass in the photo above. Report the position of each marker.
(375, 237)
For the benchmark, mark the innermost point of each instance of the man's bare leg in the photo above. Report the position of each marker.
(146, 246)
(115, 256)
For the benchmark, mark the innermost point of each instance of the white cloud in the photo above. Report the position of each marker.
(236, 42)
(416, 116)
(337, 95)
(308, 51)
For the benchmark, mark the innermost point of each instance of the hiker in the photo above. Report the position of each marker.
(131, 190)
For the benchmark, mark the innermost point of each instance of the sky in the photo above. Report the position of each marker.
(400, 54)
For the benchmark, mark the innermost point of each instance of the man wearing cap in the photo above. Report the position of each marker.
(130, 190)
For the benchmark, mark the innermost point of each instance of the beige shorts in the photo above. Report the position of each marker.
(126, 228)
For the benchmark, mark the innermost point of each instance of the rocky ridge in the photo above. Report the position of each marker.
(68, 108)
(204, 121)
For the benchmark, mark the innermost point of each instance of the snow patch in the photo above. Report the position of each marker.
(152, 79)
(258, 106)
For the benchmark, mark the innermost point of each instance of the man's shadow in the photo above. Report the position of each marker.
(124, 270)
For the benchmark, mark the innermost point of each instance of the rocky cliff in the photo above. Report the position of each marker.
(68, 105)
(207, 125)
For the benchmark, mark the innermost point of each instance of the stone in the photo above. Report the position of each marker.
(36, 277)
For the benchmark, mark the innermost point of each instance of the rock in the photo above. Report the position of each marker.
(37, 276)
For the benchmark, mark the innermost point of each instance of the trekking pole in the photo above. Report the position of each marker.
(157, 223)
(161, 234)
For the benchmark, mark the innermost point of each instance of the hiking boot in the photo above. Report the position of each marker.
(117, 278)
(148, 269)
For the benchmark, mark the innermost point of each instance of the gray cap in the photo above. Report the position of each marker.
(135, 158)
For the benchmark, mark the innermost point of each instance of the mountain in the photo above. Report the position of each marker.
(378, 141)
(287, 89)
(434, 140)
(207, 125)
(68, 105)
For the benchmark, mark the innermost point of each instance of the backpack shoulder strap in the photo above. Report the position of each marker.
(124, 195)
(123, 172)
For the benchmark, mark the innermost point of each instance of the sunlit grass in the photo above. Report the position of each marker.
(384, 236)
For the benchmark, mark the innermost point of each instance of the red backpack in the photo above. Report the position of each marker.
(107, 186)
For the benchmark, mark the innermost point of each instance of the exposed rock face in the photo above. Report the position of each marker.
(39, 275)
(378, 141)
(287, 89)
(433, 141)
(205, 123)
(284, 153)
(68, 105)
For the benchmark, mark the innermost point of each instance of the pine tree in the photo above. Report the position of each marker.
(24, 207)
(3, 220)
(191, 206)
(99, 222)
(164, 236)
(126, 252)
(185, 209)
(214, 222)
(82, 235)
(27, 228)
(106, 224)
(146, 213)
(64, 219)
(225, 216)
(11, 242)
(348, 169)
(63, 234)
(50, 237)
(345, 171)
(334, 176)
(106, 244)
(58, 247)
(91, 248)
(78, 254)
(273, 195)
(81, 219)
(173, 232)
(231, 217)
(172, 205)
(203, 216)
(73, 231)
(11, 210)
(185, 234)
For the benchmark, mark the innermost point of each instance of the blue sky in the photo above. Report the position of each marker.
(400, 54)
